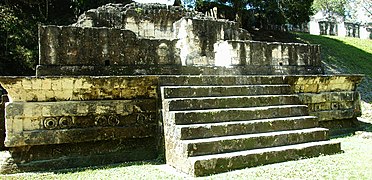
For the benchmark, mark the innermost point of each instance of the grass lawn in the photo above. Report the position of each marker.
(344, 54)
(340, 55)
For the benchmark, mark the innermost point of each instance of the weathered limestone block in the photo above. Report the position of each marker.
(41, 123)
(303, 54)
(146, 20)
(72, 155)
(197, 39)
(32, 89)
(333, 99)
(198, 46)
(275, 52)
(61, 122)
(258, 56)
(69, 46)
(278, 58)
(73, 108)
(330, 83)
(231, 53)
(333, 105)
(328, 97)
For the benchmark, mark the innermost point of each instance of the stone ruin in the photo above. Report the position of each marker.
(137, 81)
(161, 40)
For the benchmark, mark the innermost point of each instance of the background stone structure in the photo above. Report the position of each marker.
(146, 20)
(107, 51)
(115, 40)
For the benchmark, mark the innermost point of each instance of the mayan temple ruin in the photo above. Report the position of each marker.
(131, 82)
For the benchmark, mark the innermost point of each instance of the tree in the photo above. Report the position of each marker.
(18, 53)
(238, 6)
(260, 13)
(358, 8)
(189, 4)
(296, 12)
(177, 3)
(330, 7)
(278, 12)
(367, 5)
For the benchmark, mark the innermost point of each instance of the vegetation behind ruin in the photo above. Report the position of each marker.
(19, 21)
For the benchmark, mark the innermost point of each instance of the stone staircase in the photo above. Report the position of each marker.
(215, 124)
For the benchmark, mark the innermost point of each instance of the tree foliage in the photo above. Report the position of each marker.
(297, 11)
(330, 7)
(19, 21)
(357, 8)
(367, 5)
(351, 10)
(261, 13)
(18, 51)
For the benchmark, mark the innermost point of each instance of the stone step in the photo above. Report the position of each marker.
(195, 131)
(217, 163)
(229, 102)
(226, 144)
(237, 114)
(215, 91)
(215, 80)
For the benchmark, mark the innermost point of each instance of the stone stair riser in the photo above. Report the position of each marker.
(220, 80)
(232, 102)
(217, 165)
(193, 117)
(238, 143)
(244, 127)
(216, 91)
(217, 124)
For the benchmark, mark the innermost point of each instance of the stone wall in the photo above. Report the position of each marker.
(68, 46)
(333, 99)
(202, 47)
(71, 121)
(146, 20)
(278, 58)
(154, 39)
(198, 38)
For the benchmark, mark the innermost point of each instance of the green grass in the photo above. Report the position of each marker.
(349, 55)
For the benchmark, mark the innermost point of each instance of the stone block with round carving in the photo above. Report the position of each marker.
(60, 110)
(31, 123)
